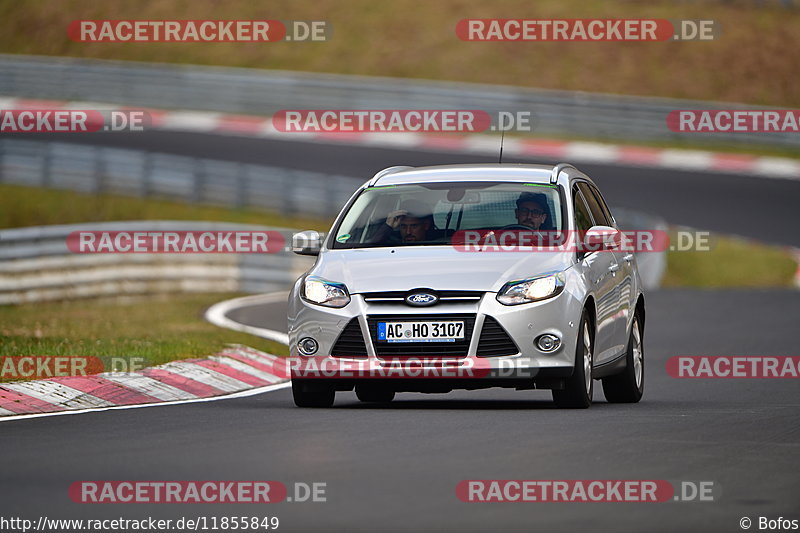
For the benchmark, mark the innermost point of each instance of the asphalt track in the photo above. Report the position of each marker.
(396, 468)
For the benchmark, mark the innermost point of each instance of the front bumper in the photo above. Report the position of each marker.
(417, 370)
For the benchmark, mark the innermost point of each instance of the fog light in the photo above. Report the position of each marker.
(307, 346)
(548, 342)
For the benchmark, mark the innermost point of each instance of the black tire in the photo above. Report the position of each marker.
(628, 386)
(374, 394)
(312, 394)
(578, 389)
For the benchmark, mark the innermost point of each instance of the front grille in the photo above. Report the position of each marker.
(350, 342)
(445, 297)
(457, 349)
(494, 340)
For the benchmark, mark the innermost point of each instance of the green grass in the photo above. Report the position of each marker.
(752, 61)
(156, 329)
(30, 206)
(731, 262)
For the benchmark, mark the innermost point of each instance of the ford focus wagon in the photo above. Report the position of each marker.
(468, 277)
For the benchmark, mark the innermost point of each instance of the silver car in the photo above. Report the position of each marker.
(467, 277)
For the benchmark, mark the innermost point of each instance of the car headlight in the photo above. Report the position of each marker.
(532, 289)
(323, 292)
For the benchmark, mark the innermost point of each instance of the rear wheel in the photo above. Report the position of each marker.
(373, 394)
(312, 394)
(578, 389)
(628, 386)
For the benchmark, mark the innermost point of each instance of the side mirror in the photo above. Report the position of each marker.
(307, 242)
(600, 238)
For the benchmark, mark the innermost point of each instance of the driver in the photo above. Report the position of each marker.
(531, 210)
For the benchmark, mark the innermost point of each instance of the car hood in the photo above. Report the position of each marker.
(433, 267)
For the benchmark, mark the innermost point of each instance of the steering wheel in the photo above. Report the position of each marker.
(518, 226)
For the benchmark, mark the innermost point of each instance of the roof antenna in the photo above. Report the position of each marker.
(502, 137)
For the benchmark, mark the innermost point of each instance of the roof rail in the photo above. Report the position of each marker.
(386, 172)
(557, 170)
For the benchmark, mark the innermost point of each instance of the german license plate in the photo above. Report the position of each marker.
(449, 331)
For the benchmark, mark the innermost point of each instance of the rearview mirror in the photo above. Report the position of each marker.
(601, 238)
(466, 197)
(307, 242)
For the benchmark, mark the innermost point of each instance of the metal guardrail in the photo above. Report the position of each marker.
(36, 265)
(263, 92)
(95, 169)
(652, 265)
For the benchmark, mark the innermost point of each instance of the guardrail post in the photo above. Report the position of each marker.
(241, 185)
(147, 170)
(99, 170)
(290, 180)
(198, 178)
(330, 195)
(47, 165)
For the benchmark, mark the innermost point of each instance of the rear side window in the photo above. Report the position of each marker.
(602, 203)
(600, 216)
(583, 220)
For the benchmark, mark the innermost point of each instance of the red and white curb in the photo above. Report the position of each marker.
(237, 371)
(475, 144)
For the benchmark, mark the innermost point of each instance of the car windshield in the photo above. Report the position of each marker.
(432, 213)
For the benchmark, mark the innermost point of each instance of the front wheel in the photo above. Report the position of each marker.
(312, 394)
(628, 386)
(578, 389)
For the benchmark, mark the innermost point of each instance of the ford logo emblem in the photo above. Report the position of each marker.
(421, 299)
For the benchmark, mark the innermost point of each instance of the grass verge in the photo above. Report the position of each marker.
(749, 62)
(32, 206)
(731, 262)
(145, 329)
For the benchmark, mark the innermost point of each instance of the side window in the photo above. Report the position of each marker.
(594, 206)
(603, 204)
(583, 220)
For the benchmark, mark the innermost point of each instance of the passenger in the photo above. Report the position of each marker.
(413, 220)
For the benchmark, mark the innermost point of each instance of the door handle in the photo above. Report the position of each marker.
(628, 258)
(613, 268)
